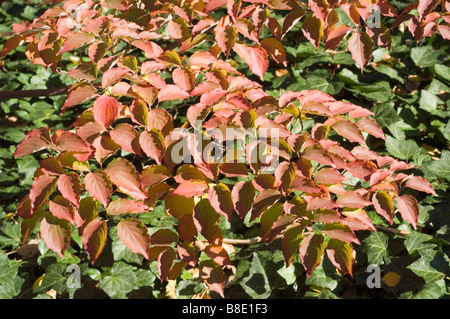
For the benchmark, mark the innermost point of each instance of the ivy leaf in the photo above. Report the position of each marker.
(256, 284)
(430, 268)
(403, 150)
(55, 278)
(121, 280)
(376, 247)
(424, 56)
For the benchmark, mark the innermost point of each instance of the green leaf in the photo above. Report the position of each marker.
(55, 278)
(376, 247)
(442, 71)
(121, 280)
(424, 56)
(417, 242)
(7, 271)
(385, 114)
(441, 168)
(430, 268)
(256, 284)
(12, 288)
(403, 150)
(325, 276)
(434, 290)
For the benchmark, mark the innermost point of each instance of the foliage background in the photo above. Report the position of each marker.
(407, 88)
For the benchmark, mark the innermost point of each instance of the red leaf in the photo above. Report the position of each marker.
(360, 46)
(165, 262)
(69, 186)
(184, 78)
(426, 6)
(41, 189)
(444, 29)
(291, 20)
(99, 186)
(336, 36)
(353, 199)
(226, 35)
(56, 234)
(75, 40)
(357, 219)
(71, 142)
(371, 126)
(242, 196)
(218, 254)
(112, 76)
(341, 232)
(191, 188)
(152, 143)
(87, 212)
(61, 208)
(11, 44)
(206, 220)
(349, 130)
(178, 206)
(35, 140)
(311, 251)
(125, 135)
(94, 238)
(312, 28)
(163, 237)
(154, 174)
(329, 175)
(384, 205)
(306, 185)
(220, 198)
(341, 255)
(126, 206)
(125, 176)
(106, 110)
(409, 209)
(160, 119)
(275, 50)
(212, 274)
(134, 234)
(255, 57)
(284, 175)
(421, 184)
(171, 92)
(187, 253)
(78, 93)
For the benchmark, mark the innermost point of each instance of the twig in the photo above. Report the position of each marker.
(392, 230)
(4, 95)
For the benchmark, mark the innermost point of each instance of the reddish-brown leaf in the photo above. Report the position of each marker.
(61, 208)
(152, 143)
(255, 57)
(421, 184)
(134, 234)
(360, 46)
(112, 76)
(105, 110)
(56, 234)
(220, 199)
(125, 176)
(409, 209)
(94, 238)
(311, 251)
(123, 206)
(213, 275)
(69, 185)
(242, 196)
(41, 189)
(384, 205)
(218, 254)
(98, 184)
(341, 255)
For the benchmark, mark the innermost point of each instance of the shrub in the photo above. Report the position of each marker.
(173, 116)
